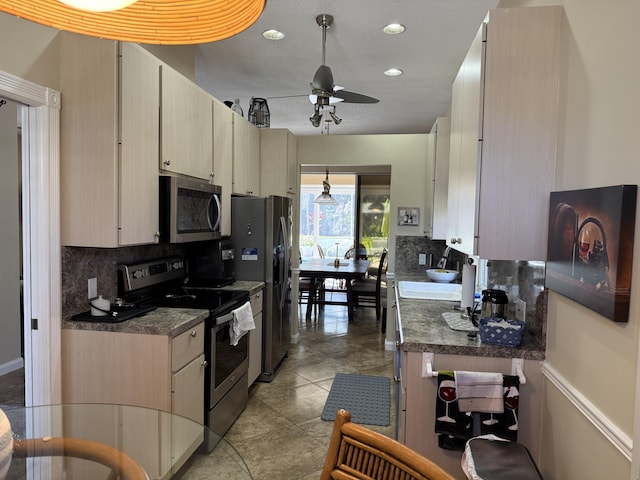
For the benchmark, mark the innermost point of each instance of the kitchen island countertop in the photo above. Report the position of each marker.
(423, 329)
(161, 321)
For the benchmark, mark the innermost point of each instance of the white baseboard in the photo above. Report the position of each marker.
(9, 367)
(600, 421)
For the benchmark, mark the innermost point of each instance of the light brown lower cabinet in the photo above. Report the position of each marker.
(417, 399)
(158, 372)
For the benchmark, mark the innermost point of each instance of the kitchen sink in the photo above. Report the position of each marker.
(430, 290)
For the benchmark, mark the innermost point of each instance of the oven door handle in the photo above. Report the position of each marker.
(224, 318)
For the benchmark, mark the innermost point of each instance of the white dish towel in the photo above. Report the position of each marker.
(242, 322)
(479, 392)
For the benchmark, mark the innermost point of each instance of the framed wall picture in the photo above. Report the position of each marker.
(408, 216)
(590, 247)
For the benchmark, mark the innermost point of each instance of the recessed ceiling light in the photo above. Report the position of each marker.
(393, 72)
(393, 28)
(273, 34)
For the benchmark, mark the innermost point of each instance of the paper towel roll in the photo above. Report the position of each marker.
(100, 306)
(468, 285)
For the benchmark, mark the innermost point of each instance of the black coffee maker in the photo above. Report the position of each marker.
(494, 303)
(211, 263)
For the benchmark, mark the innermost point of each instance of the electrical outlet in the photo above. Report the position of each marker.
(92, 287)
(422, 259)
(521, 309)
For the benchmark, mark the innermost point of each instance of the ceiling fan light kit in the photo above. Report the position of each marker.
(145, 21)
(323, 91)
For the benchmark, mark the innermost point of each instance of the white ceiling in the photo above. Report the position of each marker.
(438, 34)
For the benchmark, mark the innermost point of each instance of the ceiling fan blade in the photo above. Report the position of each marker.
(332, 100)
(352, 97)
(323, 79)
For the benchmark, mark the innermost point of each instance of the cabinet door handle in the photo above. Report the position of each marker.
(193, 333)
(167, 162)
(205, 363)
(455, 240)
(396, 379)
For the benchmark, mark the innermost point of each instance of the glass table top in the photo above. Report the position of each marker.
(81, 441)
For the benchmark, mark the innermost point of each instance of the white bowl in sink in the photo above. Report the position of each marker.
(441, 275)
(430, 290)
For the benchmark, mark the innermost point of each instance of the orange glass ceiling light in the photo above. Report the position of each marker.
(167, 22)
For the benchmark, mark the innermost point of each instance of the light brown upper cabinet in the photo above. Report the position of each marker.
(246, 157)
(186, 126)
(278, 162)
(109, 142)
(504, 129)
(436, 196)
(223, 159)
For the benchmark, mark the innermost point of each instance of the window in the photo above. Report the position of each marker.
(332, 227)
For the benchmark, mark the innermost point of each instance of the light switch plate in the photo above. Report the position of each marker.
(521, 309)
(92, 287)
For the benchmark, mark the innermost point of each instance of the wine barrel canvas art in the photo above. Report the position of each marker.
(590, 247)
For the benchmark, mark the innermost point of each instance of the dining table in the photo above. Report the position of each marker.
(320, 269)
(80, 441)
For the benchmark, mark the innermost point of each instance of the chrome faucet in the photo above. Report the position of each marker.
(442, 263)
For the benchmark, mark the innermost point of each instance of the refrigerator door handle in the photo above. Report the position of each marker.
(284, 266)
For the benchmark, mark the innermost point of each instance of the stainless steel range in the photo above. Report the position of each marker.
(161, 283)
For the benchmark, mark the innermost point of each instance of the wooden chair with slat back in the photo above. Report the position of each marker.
(357, 453)
(368, 292)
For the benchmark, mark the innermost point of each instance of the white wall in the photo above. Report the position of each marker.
(29, 51)
(595, 358)
(10, 343)
(407, 155)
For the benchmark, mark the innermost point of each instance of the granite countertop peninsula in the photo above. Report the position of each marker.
(161, 321)
(425, 330)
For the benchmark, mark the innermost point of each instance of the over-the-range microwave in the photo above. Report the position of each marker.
(190, 210)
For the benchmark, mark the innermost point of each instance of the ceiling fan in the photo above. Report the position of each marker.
(324, 92)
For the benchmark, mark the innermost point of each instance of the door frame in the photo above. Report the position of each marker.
(40, 116)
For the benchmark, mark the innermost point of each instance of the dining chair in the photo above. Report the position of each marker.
(304, 293)
(356, 453)
(369, 291)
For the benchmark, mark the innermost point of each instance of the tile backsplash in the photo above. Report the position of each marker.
(520, 279)
(79, 264)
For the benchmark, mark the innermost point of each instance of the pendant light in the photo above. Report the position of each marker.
(175, 22)
(325, 197)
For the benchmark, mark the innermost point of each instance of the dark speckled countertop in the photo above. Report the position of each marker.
(161, 321)
(242, 285)
(424, 330)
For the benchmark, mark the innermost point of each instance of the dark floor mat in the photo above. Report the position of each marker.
(366, 397)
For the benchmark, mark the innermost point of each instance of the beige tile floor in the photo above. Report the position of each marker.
(280, 434)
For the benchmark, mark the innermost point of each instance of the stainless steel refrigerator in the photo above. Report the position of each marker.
(261, 235)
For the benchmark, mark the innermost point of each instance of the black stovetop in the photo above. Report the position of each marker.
(216, 301)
